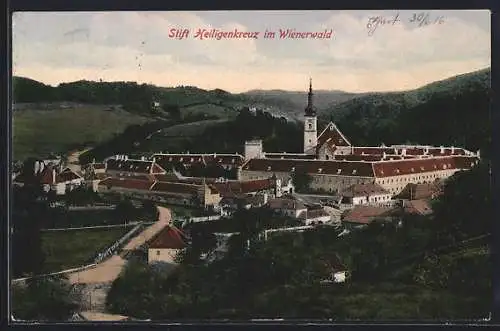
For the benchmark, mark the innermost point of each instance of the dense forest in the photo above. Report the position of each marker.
(221, 137)
(429, 268)
(453, 112)
(131, 95)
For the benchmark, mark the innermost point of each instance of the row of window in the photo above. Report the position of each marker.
(424, 178)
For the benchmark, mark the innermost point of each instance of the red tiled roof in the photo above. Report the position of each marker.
(47, 175)
(168, 177)
(222, 159)
(334, 262)
(357, 190)
(366, 214)
(358, 169)
(373, 150)
(332, 136)
(282, 203)
(67, 176)
(314, 213)
(414, 166)
(137, 166)
(179, 188)
(134, 184)
(421, 191)
(168, 159)
(420, 207)
(290, 156)
(169, 238)
(231, 188)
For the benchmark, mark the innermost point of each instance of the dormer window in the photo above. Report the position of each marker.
(147, 168)
(397, 171)
(339, 171)
(444, 166)
(170, 159)
(412, 169)
(422, 168)
(192, 160)
(381, 172)
(181, 159)
(293, 168)
(119, 165)
(232, 161)
(354, 171)
(320, 170)
(268, 168)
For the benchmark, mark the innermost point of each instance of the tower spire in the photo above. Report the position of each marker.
(310, 111)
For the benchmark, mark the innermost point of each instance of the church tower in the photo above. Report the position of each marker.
(310, 124)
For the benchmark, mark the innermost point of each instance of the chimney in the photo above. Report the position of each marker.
(384, 156)
(403, 151)
(478, 153)
(53, 175)
(125, 157)
(442, 149)
(452, 149)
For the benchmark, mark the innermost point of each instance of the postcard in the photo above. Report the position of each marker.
(251, 166)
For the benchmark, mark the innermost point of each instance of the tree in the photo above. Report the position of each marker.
(150, 210)
(125, 212)
(28, 215)
(45, 299)
(301, 180)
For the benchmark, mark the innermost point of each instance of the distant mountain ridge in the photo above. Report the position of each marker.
(453, 111)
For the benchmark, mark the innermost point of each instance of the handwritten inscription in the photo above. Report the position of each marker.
(417, 19)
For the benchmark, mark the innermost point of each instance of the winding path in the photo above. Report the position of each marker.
(109, 270)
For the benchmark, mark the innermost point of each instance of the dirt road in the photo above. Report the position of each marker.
(109, 270)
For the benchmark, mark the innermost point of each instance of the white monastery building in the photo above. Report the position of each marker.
(336, 165)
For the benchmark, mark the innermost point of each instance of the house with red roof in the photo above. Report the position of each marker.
(122, 166)
(365, 194)
(60, 182)
(148, 187)
(287, 207)
(166, 245)
(361, 216)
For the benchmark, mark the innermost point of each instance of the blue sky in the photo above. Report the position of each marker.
(134, 46)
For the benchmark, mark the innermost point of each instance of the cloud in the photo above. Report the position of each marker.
(55, 47)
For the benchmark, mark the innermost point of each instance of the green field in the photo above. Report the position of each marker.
(71, 249)
(39, 132)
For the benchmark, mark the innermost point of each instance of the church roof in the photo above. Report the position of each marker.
(331, 167)
(332, 136)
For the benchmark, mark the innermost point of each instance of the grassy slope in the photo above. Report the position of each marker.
(39, 132)
(69, 249)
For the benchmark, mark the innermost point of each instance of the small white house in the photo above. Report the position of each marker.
(316, 217)
(287, 207)
(339, 272)
(63, 182)
(166, 244)
(365, 194)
